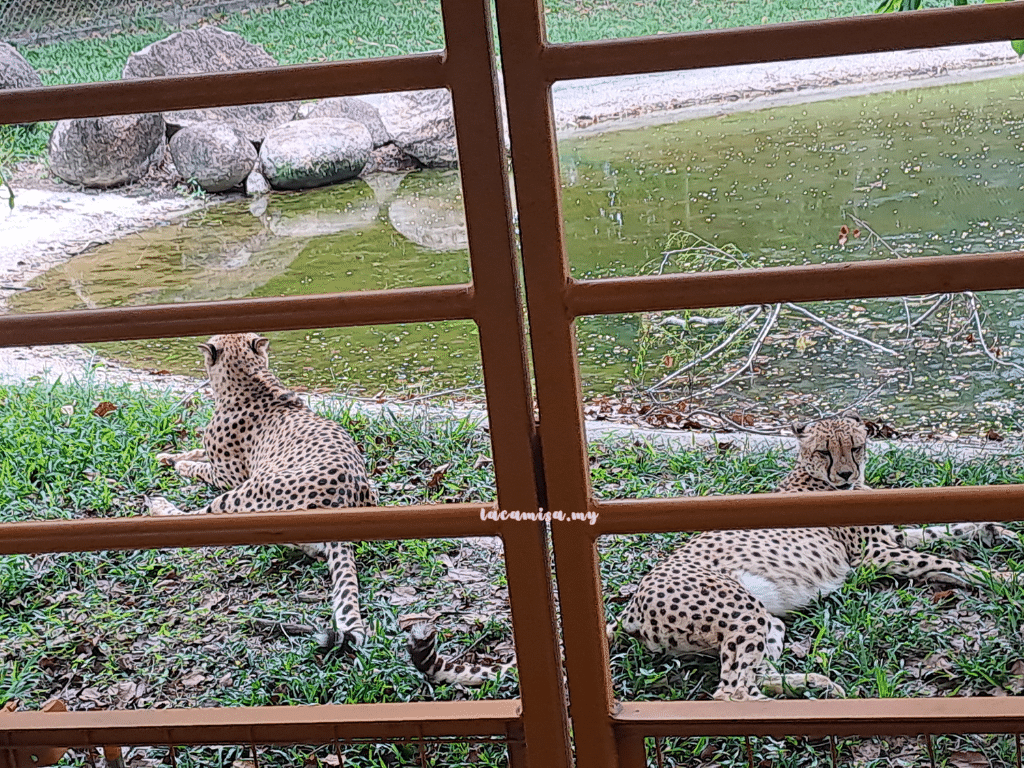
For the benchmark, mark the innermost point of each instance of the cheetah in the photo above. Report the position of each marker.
(272, 452)
(723, 592)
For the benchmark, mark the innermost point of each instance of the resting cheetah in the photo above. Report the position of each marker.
(274, 453)
(722, 591)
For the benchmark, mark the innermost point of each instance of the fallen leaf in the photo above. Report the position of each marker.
(104, 408)
(481, 461)
(968, 760)
(193, 679)
(942, 596)
(993, 435)
(67, 410)
(408, 620)
(438, 475)
(331, 759)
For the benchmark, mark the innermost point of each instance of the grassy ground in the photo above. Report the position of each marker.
(183, 627)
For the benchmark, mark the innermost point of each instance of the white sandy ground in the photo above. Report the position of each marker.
(46, 228)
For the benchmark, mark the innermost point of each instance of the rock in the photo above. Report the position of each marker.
(314, 152)
(430, 214)
(256, 184)
(210, 49)
(15, 71)
(106, 151)
(422, 124)
(390, 159)
(215, 155)
(349, 108)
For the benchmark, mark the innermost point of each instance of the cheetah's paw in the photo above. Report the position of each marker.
(157, 506)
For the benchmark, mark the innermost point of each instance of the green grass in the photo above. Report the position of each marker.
(174, 627)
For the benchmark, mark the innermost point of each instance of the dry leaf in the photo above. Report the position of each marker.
(67, 410)
(481, 460)
(968, 760)
(944, 595)
(331, 759)
(193, 679)
(104, 408)
(439, 474)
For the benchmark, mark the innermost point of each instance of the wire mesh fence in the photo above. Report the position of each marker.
(43, 21)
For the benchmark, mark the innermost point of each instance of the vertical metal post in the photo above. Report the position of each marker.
(470, 67)
(553, 337)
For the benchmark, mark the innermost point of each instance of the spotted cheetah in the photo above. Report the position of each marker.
(274, 453)
(722, 592)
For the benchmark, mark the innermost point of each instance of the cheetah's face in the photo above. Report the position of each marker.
(234, 357)
(833, 450)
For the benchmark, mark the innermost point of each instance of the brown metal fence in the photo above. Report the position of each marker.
(543, 464)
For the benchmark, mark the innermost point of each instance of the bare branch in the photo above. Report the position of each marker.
(755, 348)
(972, 303)
(836, 329)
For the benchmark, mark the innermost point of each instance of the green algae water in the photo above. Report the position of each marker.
(932, 171)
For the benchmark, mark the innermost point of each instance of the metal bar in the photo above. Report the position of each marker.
(319, 724)
(402, 305)
(552, 334)
(779, 510)
(254, 86)
(503, 348)
(821, 718)
(815, 282)
(783, 42)
(346, 524)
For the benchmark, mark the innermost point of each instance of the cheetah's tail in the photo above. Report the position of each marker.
(437, 669)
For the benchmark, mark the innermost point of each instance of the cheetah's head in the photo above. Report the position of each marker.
(234, 357)
(833, 450)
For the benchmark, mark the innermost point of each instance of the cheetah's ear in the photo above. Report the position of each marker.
(851, 413)
(798, 427)
(260, 345)
(209, 353)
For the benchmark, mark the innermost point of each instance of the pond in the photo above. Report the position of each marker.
(931, 171)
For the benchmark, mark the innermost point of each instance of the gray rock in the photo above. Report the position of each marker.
(422, 124)
(215, 155)
(256, 184)
(210, 49)
(314, 152)
(430, 215)
(106, 151)
(349, 108)
(15, 71)
(390, 159)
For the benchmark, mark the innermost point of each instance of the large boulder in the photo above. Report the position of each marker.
(349, 108)
(106, 151)
(422, 124)
(15, 71)
(314, 152)
(210, 49)
(215, 155)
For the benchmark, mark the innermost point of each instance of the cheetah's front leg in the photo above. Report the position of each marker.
(986, 533)
(190, 464)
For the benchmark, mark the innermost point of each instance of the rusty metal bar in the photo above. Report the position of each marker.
(161, 94)
(215, 530)
(566, 469)
(778, 510)
(401, 305)
(783, 42)
(814, 282)
(824, 717)
(494, 259)
(319, 724)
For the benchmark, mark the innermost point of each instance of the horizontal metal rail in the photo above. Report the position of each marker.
(400, 305)
(321, 724)
(254, 86)
(784, 42)
(426, 521)
(820, 508)
(828, 717)
(812, 282)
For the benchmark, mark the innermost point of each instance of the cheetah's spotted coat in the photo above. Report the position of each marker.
(274, 453)
(722, 592)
